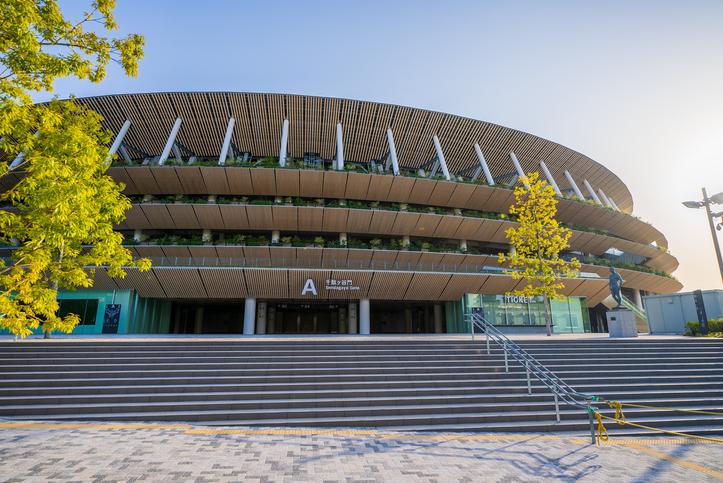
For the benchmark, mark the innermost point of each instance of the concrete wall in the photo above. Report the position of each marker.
(668, 314)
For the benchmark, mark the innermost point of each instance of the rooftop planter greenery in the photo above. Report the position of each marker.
(387, 243)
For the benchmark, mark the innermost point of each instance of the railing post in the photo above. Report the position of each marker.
(557, 407)
(471, 326)
(529, 384)
(592, 427)
(487, 336)
(507, 366)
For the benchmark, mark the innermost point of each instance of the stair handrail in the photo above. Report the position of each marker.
(630, 305)
(559, 388)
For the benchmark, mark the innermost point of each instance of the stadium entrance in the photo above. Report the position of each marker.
(305, 317)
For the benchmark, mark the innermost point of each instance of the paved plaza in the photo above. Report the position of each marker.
(148, 452)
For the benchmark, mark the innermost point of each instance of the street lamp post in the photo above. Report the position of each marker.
(716, 199)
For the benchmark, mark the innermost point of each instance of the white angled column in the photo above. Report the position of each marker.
(520, 171)
(118, 139)
(249, 316)
(605, 198)
(339, 147)
(483, 164)
(19, 158)
(612, 202)
(590, 190)
(440, 158)
(169, 143)
(284, 148)
(549, 177)
(226, 142)
(393, 152)
(577, 191)
(364, 317)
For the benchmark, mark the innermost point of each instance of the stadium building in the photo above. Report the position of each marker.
(281, 214)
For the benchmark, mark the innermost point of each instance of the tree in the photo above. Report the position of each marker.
(537, 242)
(64, 208)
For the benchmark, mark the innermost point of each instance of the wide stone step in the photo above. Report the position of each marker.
(464, 403)
(391, 416)
(495, 364)
(409, 378)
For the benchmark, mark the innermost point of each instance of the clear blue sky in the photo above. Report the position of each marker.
(638, 86)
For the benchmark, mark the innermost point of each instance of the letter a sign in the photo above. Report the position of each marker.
(309, 287)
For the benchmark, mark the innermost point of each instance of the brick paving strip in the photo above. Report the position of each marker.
(182, 452)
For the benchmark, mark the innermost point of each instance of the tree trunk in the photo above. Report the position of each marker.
(548, 315)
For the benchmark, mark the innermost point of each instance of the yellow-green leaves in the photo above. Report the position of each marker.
(65, 210)
(538, 241)
(65, 207)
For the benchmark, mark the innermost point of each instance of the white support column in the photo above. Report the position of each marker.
(284, 148)
(638, 299)
(177, 152)
(483, 164)
(226, 142)
(343, 238)
(118, 140)
(275, 236)
(171, 140)
(590, 190)
(364, 319)
(138, 235)
(339, 147)
(249, 316)
(549, 177)
(463, 245)
(577, 191)
(19, 158)
(612, 202)
(520, 171)
(440, 157)
(605, 198)
(124, 154)
(393, 152)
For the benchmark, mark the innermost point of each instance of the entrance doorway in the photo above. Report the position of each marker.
(398, 317)
(306, 318)
(207, 318)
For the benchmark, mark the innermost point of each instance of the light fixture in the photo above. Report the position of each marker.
(693, 204)
(717, 199)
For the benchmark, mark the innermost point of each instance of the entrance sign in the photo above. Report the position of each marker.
(309, 287)
(340, 285)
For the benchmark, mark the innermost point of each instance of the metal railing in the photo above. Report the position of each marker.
(630, 305)
(561, 391)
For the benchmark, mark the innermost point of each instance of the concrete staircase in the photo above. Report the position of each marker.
(414, 384)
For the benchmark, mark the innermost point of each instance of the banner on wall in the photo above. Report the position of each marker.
(111, 318)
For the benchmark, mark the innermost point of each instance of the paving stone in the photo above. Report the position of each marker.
(97, 453)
